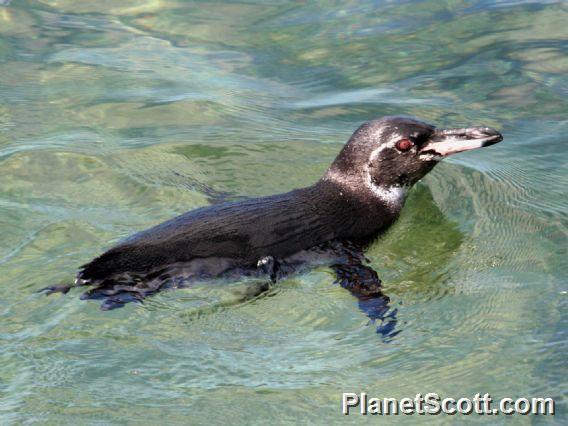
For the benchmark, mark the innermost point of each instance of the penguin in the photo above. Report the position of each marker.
(332, 221)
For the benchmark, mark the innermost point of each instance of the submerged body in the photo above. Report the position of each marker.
(361, 194)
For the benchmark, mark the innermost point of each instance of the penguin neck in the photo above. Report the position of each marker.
(363, 187)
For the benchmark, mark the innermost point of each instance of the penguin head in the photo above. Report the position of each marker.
(393, 153)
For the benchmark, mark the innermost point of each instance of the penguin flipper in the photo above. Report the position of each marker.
(361, 280)
(364, 283)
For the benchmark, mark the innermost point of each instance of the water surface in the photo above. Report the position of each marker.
(115, 116)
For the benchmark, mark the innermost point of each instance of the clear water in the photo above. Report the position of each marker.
(115, 116)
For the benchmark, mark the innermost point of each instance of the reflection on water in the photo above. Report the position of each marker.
(117, 115)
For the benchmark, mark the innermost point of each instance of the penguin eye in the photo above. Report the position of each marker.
(404, 144)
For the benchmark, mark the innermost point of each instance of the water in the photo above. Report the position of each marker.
(115, 116)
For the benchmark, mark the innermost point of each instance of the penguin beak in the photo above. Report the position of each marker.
(444, 142)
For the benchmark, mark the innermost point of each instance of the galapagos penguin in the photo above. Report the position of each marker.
(360, 195)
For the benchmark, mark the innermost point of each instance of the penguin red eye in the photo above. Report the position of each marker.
(404, 145)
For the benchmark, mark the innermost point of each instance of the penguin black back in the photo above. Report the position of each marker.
(360, 195)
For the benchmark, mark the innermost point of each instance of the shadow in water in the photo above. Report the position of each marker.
(416, 252)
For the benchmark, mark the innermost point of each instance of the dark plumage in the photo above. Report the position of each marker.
(241, 233)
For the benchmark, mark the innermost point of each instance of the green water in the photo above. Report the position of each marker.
(116, 115)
